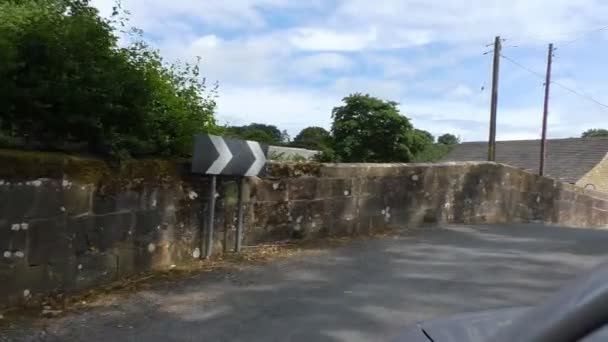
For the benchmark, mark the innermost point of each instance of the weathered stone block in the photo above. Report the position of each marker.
(379, 223)
(149, 197)
(334, 187)
(567, 195)
(272, 191)
(13, 236)
(63, 274)
(79, 229)
(396, 189)
(307, 217)
(105, 203)
(40, 198)
(304, 188)
(93, 269)
(33, 281)
(109, 229)
(257, 234)
(300, 211)
(78, 199)
(340, 209)
(372, 206)
(340, 228)
(47, 242)
(405, 218)
(148, 226)
(131, 259)
(228, 193)
(7, 288)
(6, 235)
(268, 214)
(433, 216)
(363, 186)
(131, 200)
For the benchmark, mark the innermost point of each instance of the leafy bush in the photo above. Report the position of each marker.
(64, 78)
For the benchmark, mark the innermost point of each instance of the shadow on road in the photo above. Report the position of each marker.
(368, 290)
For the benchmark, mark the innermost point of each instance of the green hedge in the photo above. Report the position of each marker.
(64, 79)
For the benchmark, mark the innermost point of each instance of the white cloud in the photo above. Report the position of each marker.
(388, 90)
(474, 20)
(153, 15)
(291, 109)
(258, 59)
(347, 39)
(461, 90)
(206, 42)
(317, 39)
(391, 66)
(290, 62)
(315, 65)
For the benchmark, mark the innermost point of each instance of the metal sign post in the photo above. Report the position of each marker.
(239, 215)
(214, 155)
(210, 216)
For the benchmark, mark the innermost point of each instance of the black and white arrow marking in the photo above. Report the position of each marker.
(225, 156)
(214, 155)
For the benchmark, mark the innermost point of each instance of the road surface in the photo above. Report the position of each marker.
(366, 291)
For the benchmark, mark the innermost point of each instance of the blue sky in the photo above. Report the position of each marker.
(289, 62)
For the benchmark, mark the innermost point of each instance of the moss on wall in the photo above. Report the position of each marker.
(283, 170)
(21, 164)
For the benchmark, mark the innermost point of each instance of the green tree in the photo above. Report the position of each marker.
(427, 136)
(448, 139)
(313, 138)
(259, 136)
(595, 133)
(420, 140)
(368, 129)
(285, 138)
(272, 134)
(63, 78)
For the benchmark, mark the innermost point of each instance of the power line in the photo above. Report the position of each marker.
(584, 35)
(523, 66)
(541, 76)
(575, 92)
(543, 38)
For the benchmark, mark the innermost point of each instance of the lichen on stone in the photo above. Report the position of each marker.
(290, 170)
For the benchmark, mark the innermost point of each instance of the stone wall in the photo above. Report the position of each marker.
(70, 223)
(596, 178)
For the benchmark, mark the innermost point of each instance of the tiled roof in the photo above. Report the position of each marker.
(567, 159)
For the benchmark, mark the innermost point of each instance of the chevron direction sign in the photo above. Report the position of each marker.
(215, 155)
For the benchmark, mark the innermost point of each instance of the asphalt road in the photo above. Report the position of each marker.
(366, 291)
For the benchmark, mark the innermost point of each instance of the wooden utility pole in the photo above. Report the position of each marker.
(543, 140)
(494, 103)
